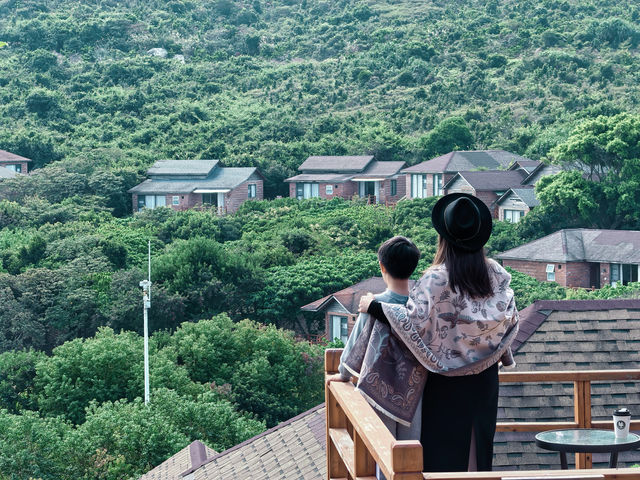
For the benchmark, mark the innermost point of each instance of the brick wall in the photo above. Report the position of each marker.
(538, 270)
(240, 194)
(488, 198)
(571, 274)
(385, 190)
(578, 274)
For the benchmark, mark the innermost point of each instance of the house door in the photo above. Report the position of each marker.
(594, 275)
(339, 328)
(210, 200)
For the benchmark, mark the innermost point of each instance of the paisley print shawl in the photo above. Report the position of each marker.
(451, 334)
(389, 376)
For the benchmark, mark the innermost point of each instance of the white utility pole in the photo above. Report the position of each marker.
(146, 298)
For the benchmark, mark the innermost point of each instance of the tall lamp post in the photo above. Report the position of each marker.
(146, 299)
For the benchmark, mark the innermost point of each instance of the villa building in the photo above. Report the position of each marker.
(347, 176)
(14, 162)
(579, 257)
(185, 184)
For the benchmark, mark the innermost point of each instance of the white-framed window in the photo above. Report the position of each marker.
(551, 272)
(437, 184)
(251, 190)
(339, 327)
(15, 168)
(328, 189)
(307, 190)
(623, 273)
(175, 200)
(513, 216)
(394, 188)
(151, 201)
(418, 186)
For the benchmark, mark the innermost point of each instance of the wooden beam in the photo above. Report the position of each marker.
(568, 376)
(606, 473)
(365, 465)
(533, 426)
(608, 424)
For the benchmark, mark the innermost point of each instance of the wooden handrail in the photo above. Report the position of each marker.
(357, 439)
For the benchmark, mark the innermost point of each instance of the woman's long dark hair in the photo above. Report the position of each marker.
(468, 271)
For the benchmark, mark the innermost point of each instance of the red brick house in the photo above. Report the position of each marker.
(14, 162)
(579, 257)
(340, 309)
(488, 186)
(184, 184)
(346, 176)
(426, 179)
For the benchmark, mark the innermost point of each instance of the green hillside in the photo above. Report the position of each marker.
(268, 83)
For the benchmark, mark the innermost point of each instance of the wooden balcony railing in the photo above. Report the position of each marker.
(357, 439)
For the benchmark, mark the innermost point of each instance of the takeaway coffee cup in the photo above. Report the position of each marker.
(621, 421)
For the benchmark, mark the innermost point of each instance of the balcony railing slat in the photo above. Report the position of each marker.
(568, 376)
(343, 443)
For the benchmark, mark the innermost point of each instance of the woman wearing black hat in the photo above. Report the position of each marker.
(459, 323)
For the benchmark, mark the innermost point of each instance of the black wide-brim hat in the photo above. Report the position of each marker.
(462, 220)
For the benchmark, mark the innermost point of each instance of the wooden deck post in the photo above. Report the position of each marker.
(335, 416)
(406, 460)
(582, 416)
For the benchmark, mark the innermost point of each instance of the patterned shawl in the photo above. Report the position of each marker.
(451, 334)
(439, 331)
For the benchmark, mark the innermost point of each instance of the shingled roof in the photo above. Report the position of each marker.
(568, 335)
(527, 165)
(343, 163)
(580, 245)
(491, 180)
(182, 463)
(292, 449)
(467, 160)
(526, 193)
(12, 157)
(349, 297)
(182, 167)
(186, 176)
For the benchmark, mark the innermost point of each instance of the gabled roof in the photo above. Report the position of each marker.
(182, 168)
(349, 297)
(580, 245)
(12, 157)
(321, 178)
(541, 170)
(190, 457)
(373, 170)
(6, 173)
(221, 178)
(525, 193)
(491, 180)
(467, 160)
(338, 164)
(526, 165)
(378, 169)
(292, 449)
(568, 335)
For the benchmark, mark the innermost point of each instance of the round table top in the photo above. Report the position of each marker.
(586, 440)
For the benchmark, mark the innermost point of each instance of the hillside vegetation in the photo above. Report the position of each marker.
(268, 83)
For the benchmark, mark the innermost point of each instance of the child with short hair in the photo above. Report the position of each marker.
(398, 258)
